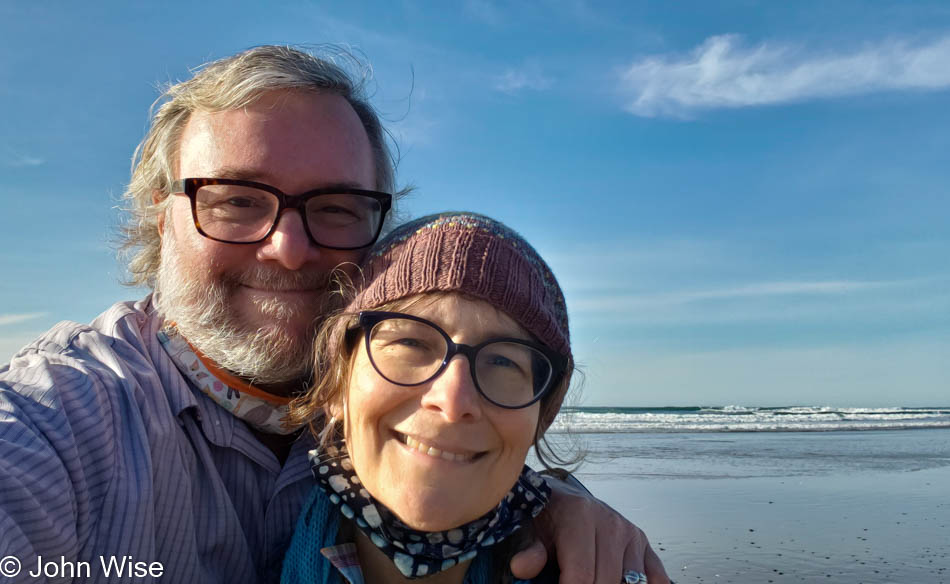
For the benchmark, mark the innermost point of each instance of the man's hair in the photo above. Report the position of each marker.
(227, 84)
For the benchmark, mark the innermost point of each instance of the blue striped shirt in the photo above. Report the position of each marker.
(106, 451)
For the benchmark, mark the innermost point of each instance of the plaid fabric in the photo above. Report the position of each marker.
(345, 559)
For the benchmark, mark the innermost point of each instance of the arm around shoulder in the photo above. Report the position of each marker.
(593, 543)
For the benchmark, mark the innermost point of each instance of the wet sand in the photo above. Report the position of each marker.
(870, 523)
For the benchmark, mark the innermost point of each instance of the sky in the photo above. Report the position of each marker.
(746, 202)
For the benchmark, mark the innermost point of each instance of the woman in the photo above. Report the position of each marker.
(420, 468)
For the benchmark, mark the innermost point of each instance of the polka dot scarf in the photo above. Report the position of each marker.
(422, 553)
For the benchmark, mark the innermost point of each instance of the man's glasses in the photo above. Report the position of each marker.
(408, 350)
(242, 211)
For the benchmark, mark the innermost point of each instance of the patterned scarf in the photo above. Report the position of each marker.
(422, 553)
(259, 409)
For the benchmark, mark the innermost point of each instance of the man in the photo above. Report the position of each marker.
(150, 444)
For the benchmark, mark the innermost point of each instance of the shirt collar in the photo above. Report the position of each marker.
(219, 426)
(181, 396)
(346, 560)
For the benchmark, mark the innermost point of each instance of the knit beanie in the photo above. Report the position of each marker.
(476, 256)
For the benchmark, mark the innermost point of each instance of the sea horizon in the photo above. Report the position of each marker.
(744, 418)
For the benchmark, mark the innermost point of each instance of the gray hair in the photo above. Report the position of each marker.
(232, 83)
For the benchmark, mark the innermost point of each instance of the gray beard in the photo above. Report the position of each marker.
(203, 315)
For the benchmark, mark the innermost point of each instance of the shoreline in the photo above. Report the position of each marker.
(875, 513)
(581, 432)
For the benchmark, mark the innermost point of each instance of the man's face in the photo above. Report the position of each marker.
(226, 298)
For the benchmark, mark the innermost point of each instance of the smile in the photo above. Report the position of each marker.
(434, 452)
(281, 290)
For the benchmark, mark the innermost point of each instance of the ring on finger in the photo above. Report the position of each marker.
(634, 577)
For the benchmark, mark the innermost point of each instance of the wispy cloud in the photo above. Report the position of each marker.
(8, 319)
(419, 131)
(776, 289)
(529, 76)
(740, 292)
(723, 72)
(633, 265)
(20, 160)
(797, 303)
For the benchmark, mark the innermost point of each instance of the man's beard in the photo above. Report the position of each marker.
(203, 314)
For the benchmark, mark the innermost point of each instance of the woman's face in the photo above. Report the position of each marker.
(438, 455)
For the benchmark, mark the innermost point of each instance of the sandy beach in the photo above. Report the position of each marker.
(784, 506)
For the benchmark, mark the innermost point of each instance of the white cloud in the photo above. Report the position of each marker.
(722, 72)
(770, 289)
(7, 319)
(768, 302)
(18, 160)
(529, 76)
(606, 265)
(744, 291)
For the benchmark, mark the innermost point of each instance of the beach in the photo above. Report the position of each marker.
(781, 506)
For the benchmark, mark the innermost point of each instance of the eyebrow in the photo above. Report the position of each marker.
(495, 333)
(240, 173)
(237, 173)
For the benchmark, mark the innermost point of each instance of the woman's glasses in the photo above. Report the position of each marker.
(508, 372)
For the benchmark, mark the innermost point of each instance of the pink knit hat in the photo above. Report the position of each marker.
(474, 255)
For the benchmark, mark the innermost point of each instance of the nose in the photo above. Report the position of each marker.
(453, 393)
(289, 244)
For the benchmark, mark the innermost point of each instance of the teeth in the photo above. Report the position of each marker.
(433, 451)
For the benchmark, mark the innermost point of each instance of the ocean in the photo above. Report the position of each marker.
(789, 494)
(747, 419)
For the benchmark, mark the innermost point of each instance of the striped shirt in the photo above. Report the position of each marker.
(346, 559)
(108, 454)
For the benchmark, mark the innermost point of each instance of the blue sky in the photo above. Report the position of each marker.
(746, 202)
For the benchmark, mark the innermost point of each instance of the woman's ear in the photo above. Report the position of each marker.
(337, 409)
(334, 413)
(329, 425)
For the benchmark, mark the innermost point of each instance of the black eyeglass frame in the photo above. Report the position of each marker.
(370, 318)
(190, 186)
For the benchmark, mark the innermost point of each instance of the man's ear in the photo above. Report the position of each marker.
(156, 199)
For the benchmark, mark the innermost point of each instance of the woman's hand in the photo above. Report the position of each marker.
(593, 543)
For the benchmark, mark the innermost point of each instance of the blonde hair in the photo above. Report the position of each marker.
(226, 84)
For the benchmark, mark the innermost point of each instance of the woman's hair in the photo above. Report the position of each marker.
(335, 347)
(423, 261)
